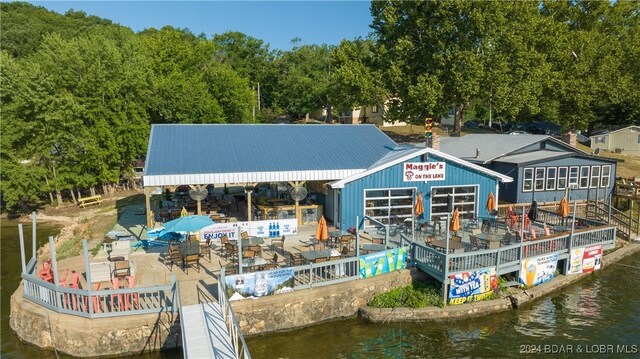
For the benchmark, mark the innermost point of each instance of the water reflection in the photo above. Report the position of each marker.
(538, 321)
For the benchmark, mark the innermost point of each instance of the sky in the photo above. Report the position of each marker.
(274, 22)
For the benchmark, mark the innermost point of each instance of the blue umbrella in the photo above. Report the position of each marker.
(183, 224)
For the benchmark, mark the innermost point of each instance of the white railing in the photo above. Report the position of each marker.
(237, 339)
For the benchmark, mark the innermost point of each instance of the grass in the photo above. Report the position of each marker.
(70, 248)
(419, 294)
(628, 165)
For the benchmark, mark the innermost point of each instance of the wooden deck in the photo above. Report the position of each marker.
(205, 332)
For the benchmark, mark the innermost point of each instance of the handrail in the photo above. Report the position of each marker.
(237, 339)
(178, 303)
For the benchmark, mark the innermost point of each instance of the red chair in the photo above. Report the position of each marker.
(46, 273)
(132, 284)
(116, 298)
(75, 284)
(96, 301)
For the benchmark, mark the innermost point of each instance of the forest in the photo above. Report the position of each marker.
(79, 93)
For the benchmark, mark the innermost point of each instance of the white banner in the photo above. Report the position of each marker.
(425, 171)
(264, 229)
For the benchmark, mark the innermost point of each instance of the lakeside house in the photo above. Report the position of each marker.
(625, 140)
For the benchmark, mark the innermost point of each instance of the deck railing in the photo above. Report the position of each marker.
(237, 339)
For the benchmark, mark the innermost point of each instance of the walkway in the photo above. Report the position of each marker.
(205, 332)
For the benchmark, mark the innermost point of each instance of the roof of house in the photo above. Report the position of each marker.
(233, 153)
(492, 146)
(605, 133)
(535, 156)
(407, 152)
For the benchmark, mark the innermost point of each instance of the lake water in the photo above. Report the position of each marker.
(599, 311)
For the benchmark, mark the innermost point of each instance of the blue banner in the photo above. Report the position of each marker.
(258, 284)
(472, 286)
(378, 263)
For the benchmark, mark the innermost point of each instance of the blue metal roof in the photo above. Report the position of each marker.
(236, 148)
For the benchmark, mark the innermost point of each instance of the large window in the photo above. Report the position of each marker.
(562, 177)
(389, 205)
(573, 176)
(527, 180)
(595, 176)
(551, 179)
(606, 176)
(463, 198)
(540, 179)
(584, 176)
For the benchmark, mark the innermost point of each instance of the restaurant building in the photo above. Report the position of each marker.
(543, 168)
(350, 170)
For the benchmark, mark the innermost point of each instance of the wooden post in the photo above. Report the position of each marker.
(248, 192)
(147, 203)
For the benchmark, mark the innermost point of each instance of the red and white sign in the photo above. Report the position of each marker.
(425, 171)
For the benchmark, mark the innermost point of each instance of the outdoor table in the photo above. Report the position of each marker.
(313, 255)
(454, 246)
(186, 248)
(371, 247)
(561, 229)
(334, 235)
(251, 241)
(253, 262)
(492, 240)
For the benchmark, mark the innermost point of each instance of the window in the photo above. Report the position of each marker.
(606, 176)
(389, 205)
(595, 176)
(540, 179)
(374, 109)
(562, 177)
(584, 176)
(600, 139)
(527, 180)
(573, 176)
(464, 199)
(551, 179)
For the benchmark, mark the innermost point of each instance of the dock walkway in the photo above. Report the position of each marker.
(205, 332)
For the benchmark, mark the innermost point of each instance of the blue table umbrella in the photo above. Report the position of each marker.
(183, 224)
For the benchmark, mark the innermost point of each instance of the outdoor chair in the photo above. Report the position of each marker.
(174, 255)
(346, 239)
(205, 248)
(273, 264)
(455, 238)
(121, 269)
(248, 253)
(223, 241)
(506, 240)
(277, 243)
(295, 260)
(190, 260)
(229, 269)
(244, 235)
(476, 244)
(136, 296)
(256, 248)
(344, 252)
(230, 250)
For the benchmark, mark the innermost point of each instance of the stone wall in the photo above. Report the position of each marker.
(82, 337)
(305, 307)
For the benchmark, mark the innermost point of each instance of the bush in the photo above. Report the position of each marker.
(417, 295)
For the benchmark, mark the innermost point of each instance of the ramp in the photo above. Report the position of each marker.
(205, 333)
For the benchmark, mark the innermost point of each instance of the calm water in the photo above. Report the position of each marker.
(601, 310)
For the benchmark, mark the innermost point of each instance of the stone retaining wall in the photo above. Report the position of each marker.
(306, 307)
(82, 337)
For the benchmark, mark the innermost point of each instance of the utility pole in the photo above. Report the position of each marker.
(253, 108)
(258, 97)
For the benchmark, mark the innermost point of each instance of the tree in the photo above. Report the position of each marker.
(439, 54)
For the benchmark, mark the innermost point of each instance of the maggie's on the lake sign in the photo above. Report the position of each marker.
(425, 171)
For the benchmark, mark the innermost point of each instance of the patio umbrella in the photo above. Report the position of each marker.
(322, 232)
(563, 209)
(491, 205)
(454, 226)
(533, 211)
(185, 224)
(183, 212)
(419, 207)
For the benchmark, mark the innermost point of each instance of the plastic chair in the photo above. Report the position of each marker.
(136, 296)
(46, 273)
(116, 299)
(97, 304)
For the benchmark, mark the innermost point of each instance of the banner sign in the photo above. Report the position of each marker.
(537, 270)
(264, 229)
(585, 260)
(472, 286)
(378, 263)
(259, 284)
(425, 171)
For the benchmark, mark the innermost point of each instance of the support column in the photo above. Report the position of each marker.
(248, 189)
(147, 203)
(297, 184)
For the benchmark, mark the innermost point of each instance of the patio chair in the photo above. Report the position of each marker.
(248, 253)
(229, 269)
(277, 243)
(295, 260)
(46, 273)
(455, 238)
(344, 252)
(190, 260)
(273, 264)
(174, 255)
(121, 269)
(476, 244)
(244, 235)
(346, 239)
(136, 296)
(230, 250)
(256, 248)
(205, 248)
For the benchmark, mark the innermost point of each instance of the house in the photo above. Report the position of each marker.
(624, 140)
(373, 114)
(360, 170)
(543, 168)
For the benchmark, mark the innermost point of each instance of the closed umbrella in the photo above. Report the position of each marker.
(563, 209)
(183, 212)
(491, 205)
(322, 232)
(533, 213)
(419, 207)
(455, 221)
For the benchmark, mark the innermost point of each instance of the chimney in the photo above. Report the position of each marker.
(570, 138)
(435, 142)
(477, 152)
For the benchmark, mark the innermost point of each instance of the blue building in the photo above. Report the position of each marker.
(543, 168)
(359, 170)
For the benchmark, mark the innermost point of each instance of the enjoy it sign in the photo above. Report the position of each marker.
(425, 171)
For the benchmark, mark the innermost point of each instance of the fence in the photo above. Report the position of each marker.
(237, 339)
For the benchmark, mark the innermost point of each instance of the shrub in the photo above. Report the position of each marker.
(417, 295)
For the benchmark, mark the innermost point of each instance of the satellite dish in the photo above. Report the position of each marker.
(597, 151)
(298, 193)
(198, 194)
